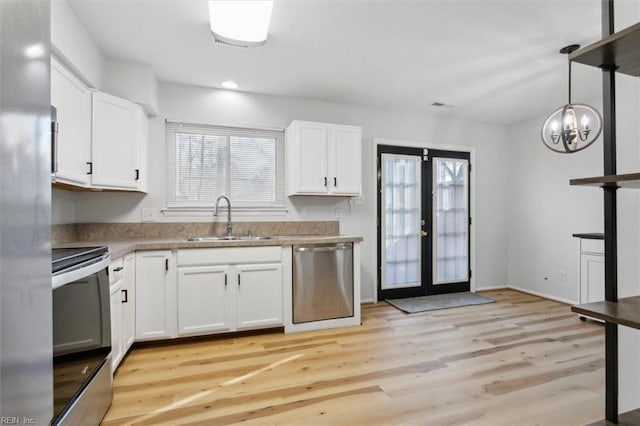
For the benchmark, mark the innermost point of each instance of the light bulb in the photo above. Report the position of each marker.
(555, 126)
(585, 121)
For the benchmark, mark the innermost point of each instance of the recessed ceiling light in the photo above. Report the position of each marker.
(229, 84)
(34, 51)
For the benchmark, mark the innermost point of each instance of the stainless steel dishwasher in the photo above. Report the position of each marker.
(322, 282)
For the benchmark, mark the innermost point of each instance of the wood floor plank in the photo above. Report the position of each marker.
(522, 360)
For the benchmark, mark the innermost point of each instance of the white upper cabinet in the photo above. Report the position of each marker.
(102, 139)
(115, 142)
(345, 160)
(324, 159)
(72, 100)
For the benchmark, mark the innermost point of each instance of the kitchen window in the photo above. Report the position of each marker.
(205, 161)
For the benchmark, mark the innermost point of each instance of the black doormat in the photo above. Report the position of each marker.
(412, 305)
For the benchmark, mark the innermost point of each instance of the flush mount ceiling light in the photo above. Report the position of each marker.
(573, 127)
(240, 23)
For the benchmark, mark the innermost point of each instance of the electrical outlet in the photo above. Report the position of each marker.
(359, 200)
(563, 275)
(149, 215)
(338, 213)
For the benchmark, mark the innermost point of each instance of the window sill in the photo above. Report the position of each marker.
(236, 211)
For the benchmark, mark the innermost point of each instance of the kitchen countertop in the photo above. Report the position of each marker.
(119, 248)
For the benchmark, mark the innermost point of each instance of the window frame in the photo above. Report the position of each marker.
(175, 207)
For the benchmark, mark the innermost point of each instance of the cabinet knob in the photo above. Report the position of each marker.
(325, 181)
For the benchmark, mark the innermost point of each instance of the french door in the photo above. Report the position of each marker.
(423, 222)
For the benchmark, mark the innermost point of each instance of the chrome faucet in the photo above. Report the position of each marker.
(215, 212)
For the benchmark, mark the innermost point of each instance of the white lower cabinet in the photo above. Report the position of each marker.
(128, 301)
(591, 270)
(117, 348)
(259, 295)
(155, 313)
(122, 275)
(204, 304)
(229, 289)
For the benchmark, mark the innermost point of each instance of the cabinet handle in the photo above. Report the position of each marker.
(325, 181)
(238, 280)
(125, 293)
(335, 181)
(137, 174)
(225, 280)
(166, 265)
(118, 269)
(90, 172)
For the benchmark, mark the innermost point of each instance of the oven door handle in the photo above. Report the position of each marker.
(80, 271)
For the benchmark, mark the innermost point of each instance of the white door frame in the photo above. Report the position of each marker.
(472, 206)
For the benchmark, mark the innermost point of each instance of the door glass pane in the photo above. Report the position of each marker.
(401, 216)
(451, 220)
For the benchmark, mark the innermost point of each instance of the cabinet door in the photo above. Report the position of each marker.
(259, 298)
(345, 160)
(204, 299)
(143, 152)
(114, 142)
(128, 302)
(72, 100)
(155, 295)
(591, 278)
(308, 162)
(117, 350)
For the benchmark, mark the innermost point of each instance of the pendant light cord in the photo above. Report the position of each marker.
(569, 81)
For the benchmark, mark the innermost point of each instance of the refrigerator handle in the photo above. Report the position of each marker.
(54, 146)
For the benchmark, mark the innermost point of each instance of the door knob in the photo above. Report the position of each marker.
(423, 233)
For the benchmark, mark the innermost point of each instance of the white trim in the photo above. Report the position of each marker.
(495, 287)
(235, 212)
(472, 207)
(238, 125)
(544, 296)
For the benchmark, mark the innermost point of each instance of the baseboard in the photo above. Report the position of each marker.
(544, 296)
(498, 287)
(369, 300)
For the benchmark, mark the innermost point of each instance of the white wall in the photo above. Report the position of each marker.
(63, 207)
(200, 105)
(133, 81)
(74, 45)
(544, 211)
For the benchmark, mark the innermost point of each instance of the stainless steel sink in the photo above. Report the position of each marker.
(231, 238)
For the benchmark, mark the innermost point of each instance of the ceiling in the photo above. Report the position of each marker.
(495, 61)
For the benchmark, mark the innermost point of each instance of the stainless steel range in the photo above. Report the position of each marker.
(82, 388)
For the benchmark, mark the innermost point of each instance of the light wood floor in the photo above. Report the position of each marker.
(521, 361)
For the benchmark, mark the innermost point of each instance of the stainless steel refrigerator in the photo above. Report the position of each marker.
(26, 392)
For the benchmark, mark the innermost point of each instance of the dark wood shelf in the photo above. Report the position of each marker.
(620, 50)
(624, 312)
(630, 418)
(629, 180)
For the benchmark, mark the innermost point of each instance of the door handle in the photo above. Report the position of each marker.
(423, 233)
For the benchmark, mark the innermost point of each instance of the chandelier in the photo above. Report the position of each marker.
(573, 127)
